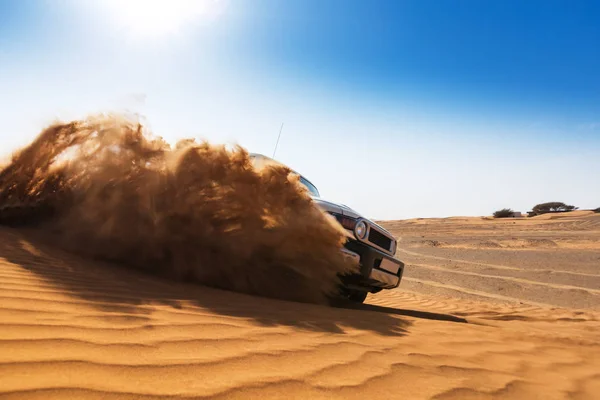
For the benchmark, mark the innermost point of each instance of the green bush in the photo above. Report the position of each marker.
(552, 207)
(504, 213)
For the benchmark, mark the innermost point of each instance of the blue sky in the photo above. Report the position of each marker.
(397, 108)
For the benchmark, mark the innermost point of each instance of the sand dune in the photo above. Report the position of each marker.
(76, 329)
(547, 260)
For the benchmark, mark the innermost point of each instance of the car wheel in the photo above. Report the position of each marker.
(357, 296)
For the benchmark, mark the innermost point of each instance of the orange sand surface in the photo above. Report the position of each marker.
(468, 322)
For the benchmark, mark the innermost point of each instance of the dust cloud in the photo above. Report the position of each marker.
(105, 187)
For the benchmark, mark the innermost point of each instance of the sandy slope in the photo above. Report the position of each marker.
(75, 329)
(549, 260)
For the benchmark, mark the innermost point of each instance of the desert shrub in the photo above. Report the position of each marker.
(552, 207)
(597, 210)
(504, 213)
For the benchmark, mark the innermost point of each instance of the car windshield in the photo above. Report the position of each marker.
(259, 162)
(311, 188)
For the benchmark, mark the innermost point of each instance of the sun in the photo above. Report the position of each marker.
(157, 18)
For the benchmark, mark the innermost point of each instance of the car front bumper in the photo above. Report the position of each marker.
(377, 269)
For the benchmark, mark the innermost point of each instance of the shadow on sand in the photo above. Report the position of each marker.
(400, 311)
(116, 289)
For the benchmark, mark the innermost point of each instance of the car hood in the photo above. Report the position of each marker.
(338, 208)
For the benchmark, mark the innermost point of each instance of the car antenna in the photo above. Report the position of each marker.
(278, 137)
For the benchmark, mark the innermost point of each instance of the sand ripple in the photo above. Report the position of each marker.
(75, 329)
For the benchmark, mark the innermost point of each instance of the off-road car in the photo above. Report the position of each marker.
(370, 245)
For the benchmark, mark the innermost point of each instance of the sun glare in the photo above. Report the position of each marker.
(156, 18)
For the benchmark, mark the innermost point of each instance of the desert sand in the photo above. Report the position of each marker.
(487, 309)
(547, 260)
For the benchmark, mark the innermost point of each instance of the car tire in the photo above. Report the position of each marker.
(357, 296)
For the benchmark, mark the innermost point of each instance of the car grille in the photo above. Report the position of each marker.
(379, 239)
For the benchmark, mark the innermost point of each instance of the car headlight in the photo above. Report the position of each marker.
(360, 230)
